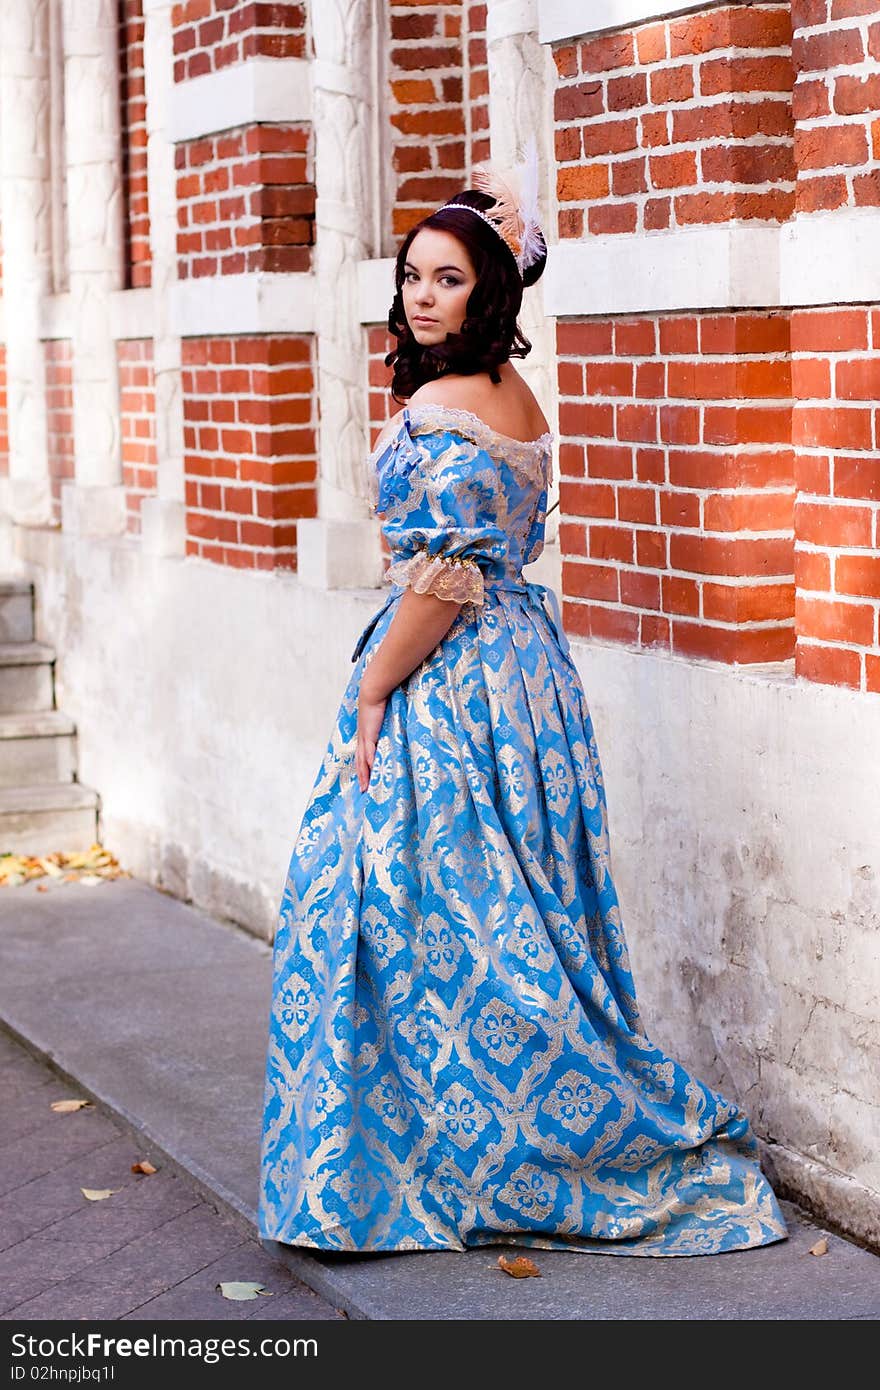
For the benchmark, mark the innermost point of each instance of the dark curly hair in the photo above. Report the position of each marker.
(490, 334)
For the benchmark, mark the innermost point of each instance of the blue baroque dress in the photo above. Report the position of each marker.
(456, 1057)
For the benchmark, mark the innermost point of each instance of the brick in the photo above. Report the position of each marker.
(651, 549)
(828, 665)
(746, 74)
(744, 332)
(672, 84)
(654, 631)
(578, 103)
(610, 137)
(734, 557)
(854, 95)
(830, 620)
(827, 146)
(614, 219)
(679, 509)
(679, 424)
(673, 170)
(681, 596)
(627, 93)
(658, 213)
(748, 603)
(586, 420)
(605, 54)
(831, 330)
(637, 504)
(629, 177)
(821, 194)
(609, 379)
(748, 164)
(811, 378)
(812, 570)
(638, 423)
(857, 477)
(589, 338)
(810, 99)
(651, 44)
(832, 428)
(842, 47)
(609, 461)
(611, 543)
(640, 590)
(858, 380)
(678, 335)
(746, 425)
(858, 575)
(812, 474)
(582, 182)
(758, 511)
(736, 646)
(590, 581)
(833, 524)
(636, 338)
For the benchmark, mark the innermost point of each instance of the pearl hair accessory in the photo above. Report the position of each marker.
(515, 215)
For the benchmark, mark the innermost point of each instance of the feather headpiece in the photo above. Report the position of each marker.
(515, 216)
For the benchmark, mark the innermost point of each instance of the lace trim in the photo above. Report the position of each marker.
(457, 578)
(528, 455)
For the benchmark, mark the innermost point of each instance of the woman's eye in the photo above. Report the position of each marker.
(410, 276)
(450, 282)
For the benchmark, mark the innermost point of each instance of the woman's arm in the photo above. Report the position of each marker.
(421, 621)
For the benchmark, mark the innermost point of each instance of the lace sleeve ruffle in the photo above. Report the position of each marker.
(459, 579)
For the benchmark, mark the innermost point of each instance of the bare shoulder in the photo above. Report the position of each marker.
(508, 407)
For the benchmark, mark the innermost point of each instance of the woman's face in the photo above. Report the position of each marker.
(437, 283)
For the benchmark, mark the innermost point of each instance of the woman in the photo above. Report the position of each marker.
(456, 1056)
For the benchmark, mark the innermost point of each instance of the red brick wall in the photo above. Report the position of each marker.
(664, 126)
(676, 482)
(249, 438)
(245, 201)
(137, 420)
(477, 74)
(134, 143)
(836, 370)
(836, 50)
(381, 406)
(59, 417)
(212, 34)
(428, 124)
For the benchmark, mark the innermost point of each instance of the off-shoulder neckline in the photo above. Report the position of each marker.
(428, 414)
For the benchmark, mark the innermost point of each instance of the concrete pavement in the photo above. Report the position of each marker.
(161, 1013)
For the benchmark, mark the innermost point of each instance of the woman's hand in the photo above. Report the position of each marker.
(371, 712)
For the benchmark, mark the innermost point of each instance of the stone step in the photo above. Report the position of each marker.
(37, 746)
(16, 610)
(45, 817)
(26, 677)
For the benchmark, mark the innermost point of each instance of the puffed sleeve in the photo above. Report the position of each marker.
(442, 501)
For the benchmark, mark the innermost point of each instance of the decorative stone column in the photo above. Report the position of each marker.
(96, 503)
(521, 83)
(163, 517)
(341, 547)
(27, 248)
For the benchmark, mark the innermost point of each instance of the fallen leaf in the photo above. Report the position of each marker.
(42, 888)
(89, 879)
(519, 1268)
(240, 1292)
(145, 1166)
(67, 1107)
(98, 1194)
(820, 1248)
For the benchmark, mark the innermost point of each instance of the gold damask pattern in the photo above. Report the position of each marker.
(456, 1056)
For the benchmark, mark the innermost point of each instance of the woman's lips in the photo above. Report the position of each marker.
(420, 318)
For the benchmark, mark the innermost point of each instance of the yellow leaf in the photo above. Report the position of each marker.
(145, 1166)
(98, 1194)
(519, 1268)
(820, 1248)
(241, 1292)
(67, 1107)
